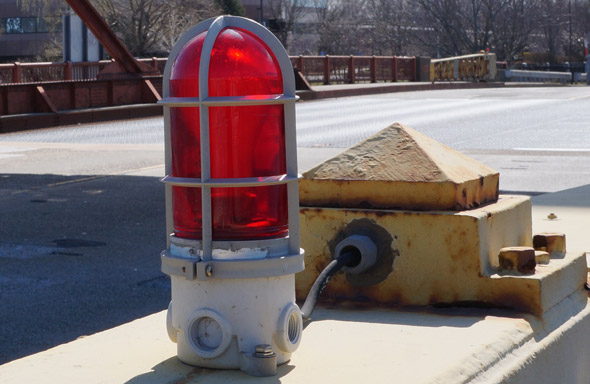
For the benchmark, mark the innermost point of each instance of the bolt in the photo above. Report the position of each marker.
(521, 259)
(263, 350)
(208, 270)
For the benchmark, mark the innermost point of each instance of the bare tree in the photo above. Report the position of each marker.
(183, 17)
(284, 15)
(342, 27)
(553, 27)
(514, 27)
(468, 26)
(443, 32)
(391, 24)
(149, 27)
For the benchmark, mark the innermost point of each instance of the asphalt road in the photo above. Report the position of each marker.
(536, 137)
(82, 219)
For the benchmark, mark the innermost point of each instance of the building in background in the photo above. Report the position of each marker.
(31, 35)
(26, 35)
(79, 44)
(292, 21)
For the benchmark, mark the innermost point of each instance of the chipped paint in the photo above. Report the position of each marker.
(438, 257)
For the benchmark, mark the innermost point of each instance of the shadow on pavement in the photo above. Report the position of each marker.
(573, 197)
(78, 254)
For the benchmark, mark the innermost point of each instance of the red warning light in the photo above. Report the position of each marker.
(245, 141)
(232, 197)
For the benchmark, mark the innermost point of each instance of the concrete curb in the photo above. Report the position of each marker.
(390, 88)
(16, 123)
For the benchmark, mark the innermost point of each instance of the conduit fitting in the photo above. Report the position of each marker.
(355, 254)
(208, 333)
(289, 329)
(361, 245)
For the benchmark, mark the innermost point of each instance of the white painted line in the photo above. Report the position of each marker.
(10, 156)
(553, 149)
(12, 149)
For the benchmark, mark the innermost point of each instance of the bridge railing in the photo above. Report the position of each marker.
(330, 69)
(15, 73)
(317, 69)
(50, 87)
(481, 66)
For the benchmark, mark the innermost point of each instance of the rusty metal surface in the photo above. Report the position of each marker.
(553, 243)
(521, 259)
(15, 99)
(18, 99)
(51, 72)
(438, 258)
(355, 69)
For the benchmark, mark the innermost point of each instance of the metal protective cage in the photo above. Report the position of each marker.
(214, 27)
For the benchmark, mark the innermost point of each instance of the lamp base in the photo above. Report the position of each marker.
(249, 324)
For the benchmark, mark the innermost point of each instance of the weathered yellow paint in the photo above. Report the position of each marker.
(553, 243)
(520, 259)
(440, 257)
(399, 168)
(479, 66)
(542, 257)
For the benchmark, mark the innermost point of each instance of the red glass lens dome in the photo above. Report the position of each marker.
(245, 141)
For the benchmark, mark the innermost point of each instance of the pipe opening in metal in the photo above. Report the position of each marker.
(356, 257)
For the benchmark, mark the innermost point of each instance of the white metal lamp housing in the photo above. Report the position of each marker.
(232, 197)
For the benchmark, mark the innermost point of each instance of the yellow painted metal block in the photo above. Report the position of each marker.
(435, 257)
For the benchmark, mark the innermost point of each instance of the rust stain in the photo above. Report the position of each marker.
(540, 243)
(506, 264)
(550, 242)
(521, 259)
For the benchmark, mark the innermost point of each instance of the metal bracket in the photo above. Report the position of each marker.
(193, 269)
(177, 266)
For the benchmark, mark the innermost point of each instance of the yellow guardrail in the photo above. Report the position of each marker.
(480, 66)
